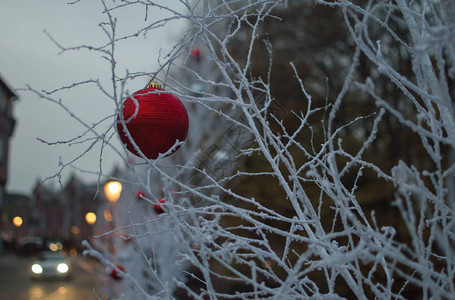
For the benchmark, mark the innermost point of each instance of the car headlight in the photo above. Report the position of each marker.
(37, 269)
(62, 268)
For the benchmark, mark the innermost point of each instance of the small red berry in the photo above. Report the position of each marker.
(140, 195)
(116, 274)
(196, 53)
(159, 209)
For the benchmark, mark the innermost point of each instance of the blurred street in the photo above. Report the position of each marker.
(16, 284)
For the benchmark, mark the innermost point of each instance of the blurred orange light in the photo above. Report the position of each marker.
(112, 190)
(53, 247)
(73, 252)
(108, 215)
(75, 230)
(35, 292)
(59, 246)
(17, 221)
(90, 218)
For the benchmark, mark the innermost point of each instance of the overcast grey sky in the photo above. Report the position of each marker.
(27, 56)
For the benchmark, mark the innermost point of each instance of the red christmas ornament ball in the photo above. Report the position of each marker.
(155, 119)
(159, 208)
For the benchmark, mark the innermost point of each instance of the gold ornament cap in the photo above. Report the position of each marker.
(154, 84)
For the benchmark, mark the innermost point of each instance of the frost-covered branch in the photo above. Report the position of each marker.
(330, 176)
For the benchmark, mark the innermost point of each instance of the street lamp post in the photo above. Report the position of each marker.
(90, 219)
(112, 191)
(17, 222)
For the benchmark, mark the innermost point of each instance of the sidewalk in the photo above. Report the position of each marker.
(11, 262)
(13, 274)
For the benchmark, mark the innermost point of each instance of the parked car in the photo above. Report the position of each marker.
(50, 264)
(30, 245)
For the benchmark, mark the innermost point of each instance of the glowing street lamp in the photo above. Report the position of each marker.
(17, 221)
(90, 218)
(112, 190)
